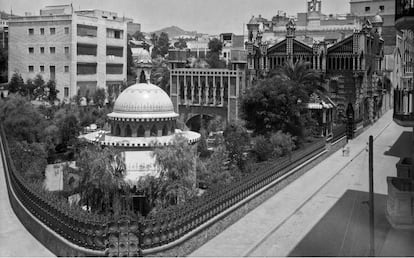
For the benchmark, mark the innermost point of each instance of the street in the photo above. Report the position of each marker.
(287, 223)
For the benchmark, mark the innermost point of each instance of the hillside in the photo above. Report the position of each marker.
(175, 31)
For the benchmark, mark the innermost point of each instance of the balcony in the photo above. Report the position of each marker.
(86, 58)
(404, 15)
(87, 40)
(403, 107)
(114, 59)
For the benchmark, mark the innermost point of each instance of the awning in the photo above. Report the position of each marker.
(321, 105)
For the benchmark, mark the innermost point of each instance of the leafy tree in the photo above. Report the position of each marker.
(180, 44)
(39, 87)
(52, 92)
(236, 140)
(3, 64)
(99, 97)
(160, 74)
(16, 83)
(21, 120)
(30, 159)
(202, 144)
(161, 45)
(274, 105)
(138, 35)
(215, 45)
(30, 89)
(102, 173)
(213, 57)
(176, 165)
(155, 50)
(214, 171)
(69, 129)
(130, 62)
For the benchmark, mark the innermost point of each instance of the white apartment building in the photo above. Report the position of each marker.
(81, 50)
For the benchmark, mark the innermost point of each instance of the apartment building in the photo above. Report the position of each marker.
(81, 50)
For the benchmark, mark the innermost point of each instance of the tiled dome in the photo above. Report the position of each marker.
(143, 100)
(377, 19)
(141, 56)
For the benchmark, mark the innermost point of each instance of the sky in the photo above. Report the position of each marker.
(205, 16)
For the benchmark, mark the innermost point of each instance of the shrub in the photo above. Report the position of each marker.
(262, 148)
(282, 143)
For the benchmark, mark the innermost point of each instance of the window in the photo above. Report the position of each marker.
(66, 30)
(66, 69)
(86, 68)
(52, 31)
(86, 31)
(381, 8)
(117, 34)
(42, 31)
(31, 69)
(52, 72)
(52, 50)
(42, 68)
(31, 50)
(114, 51)
(85, 49)
(42, 50)
(114, 68)
(66, 50)
(66, 92)
(367, 8)
(31, 31)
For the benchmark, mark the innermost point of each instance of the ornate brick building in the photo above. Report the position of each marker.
(351, 68)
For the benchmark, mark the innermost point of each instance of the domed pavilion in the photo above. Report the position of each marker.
(143, 118)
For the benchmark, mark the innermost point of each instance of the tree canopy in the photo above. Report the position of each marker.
(176, 164)
(161, 45)
(274, 104)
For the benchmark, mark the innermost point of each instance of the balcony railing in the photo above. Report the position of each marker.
(404, 14)
(404, 107)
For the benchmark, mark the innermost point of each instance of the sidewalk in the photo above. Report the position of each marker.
(278, 225)
(15, 240)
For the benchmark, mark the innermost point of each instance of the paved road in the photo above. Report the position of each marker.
(277, 226)
(15, 240)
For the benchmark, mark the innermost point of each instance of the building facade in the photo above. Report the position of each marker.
(404, 92)
(352, 68)
(199, 95)
(311, 26)
(80, 50)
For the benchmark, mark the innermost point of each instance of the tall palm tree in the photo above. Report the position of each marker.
(102, 175)
(300, 73)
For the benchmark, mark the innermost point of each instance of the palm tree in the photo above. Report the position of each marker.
(301, 74)
(102, 175)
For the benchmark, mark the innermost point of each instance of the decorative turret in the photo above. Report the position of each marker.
(143, 64)
(377, 22)
(290, 29)
(253, 29)
(367, 26)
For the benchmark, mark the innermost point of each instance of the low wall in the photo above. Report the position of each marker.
(49, 238)
(233, 214)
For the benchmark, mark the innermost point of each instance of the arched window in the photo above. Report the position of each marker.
(154, 131)
(128, 131)
(142, 77)
(117, 130)
(164, 130)
(141, 131)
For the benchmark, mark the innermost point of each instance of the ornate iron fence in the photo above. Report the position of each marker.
(127, 236)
